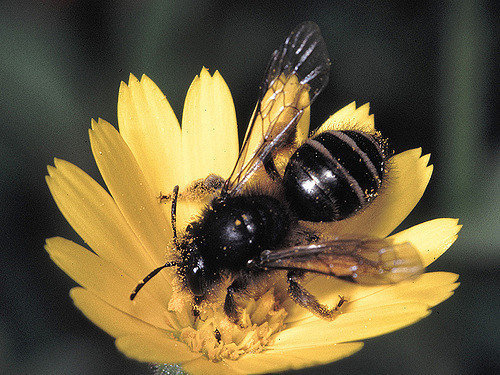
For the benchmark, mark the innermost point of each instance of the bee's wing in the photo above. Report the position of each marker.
(372, 261)
(296, 74)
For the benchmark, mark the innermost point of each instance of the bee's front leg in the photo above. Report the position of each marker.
(196, 307)
(231, 308)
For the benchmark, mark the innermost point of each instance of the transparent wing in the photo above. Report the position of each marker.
(296, 74)
(373, 261)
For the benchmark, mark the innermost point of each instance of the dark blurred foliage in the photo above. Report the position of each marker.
(429, 69)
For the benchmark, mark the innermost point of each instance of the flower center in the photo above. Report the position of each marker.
(217, 338)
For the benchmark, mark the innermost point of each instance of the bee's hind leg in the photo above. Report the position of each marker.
(305, 299)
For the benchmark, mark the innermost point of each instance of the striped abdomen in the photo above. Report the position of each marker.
(334, 174)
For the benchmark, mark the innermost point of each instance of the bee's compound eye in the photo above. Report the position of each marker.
(194, 278)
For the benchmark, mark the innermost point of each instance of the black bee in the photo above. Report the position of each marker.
(255, 222)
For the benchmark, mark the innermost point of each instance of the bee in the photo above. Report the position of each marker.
(263, 217)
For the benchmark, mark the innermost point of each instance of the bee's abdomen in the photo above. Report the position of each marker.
(334, 174)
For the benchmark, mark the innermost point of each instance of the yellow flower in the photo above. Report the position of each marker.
(129, 230)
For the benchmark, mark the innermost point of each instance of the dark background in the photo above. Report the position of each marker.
(429, 69)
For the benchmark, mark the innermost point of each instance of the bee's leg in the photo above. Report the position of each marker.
(305, 299)
(196, 307)
(231, 308)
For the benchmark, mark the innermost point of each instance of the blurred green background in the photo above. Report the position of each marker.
(429, 69)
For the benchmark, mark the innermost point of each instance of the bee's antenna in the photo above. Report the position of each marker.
(173, 219)
(176, 243)
(149, 277)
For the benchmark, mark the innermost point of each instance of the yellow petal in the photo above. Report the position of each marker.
(110, 319)
(352, 326)
(119, 324)
(107, 281)
(350, 118)
(281, 359)
(94, 215)
(148, 125)
(155, 347)
(405, 183)
(431, 238)
(209, 130)
(430, 288)
(130, 190)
